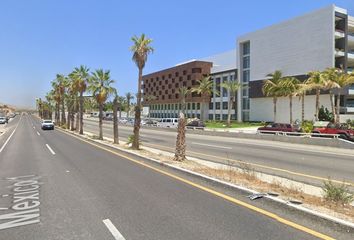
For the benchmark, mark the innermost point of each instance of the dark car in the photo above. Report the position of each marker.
(195, 124)
(279, 127)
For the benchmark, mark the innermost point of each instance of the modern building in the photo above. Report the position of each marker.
(161, 89)
(312, 42)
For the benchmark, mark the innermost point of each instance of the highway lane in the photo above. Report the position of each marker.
(309, 164)
(87, 193)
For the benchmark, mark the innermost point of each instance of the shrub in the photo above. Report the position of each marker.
(350, 123)
(325, 115)
(307, 126)
(338, 194)
(131, 140)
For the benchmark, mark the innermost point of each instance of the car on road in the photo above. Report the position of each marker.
(3, 120)
(279, 127)
(342, 130)
(148, 122)
(47, 125)
(195, 123)
(168, 122)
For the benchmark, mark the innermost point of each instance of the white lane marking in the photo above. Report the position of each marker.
(116, 234)
(208, 145)
(38, 134)
(67, 171)
(8, 139)
(50, 149)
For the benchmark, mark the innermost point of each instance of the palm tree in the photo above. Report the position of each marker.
(57, 99)
(62, 85)
(81, 78)
(317, 82)
(272, 88)
(121, 103)
(100, 86)
(301, 90)
(341, 81)
(141, 49)
(204, 89)
(149, 98)
(232, 87)
(115, 119)
(128, 96)
(180, 152)
(330, 75)
(289, 89)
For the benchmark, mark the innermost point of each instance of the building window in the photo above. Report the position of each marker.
(188, 106)
(196, 70)
(217, 83)
(246, 62)
(217, 117)
(169, 75)
(176, 95)
(224, 117)
(176, 85)
(246, 76)
(184, 72)
(210, 117)
(193, 106)
(211, 105)
(217, 105)
(245, 116)
(176, 74)
(189, 77)
(245, 104)
(198, 106)
(245, 92)
(246, 48)
(224, 105)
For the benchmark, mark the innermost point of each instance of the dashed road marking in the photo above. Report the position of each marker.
(38, 134)
(210, 145)
(50, 149)
(116, 234)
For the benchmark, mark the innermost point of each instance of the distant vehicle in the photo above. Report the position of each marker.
(168, 122)
(47, 125)
(195, 123)
(148, 122)
(94, 114)
(279, 127)
(123, 120)
(331, 128)
(3, 120)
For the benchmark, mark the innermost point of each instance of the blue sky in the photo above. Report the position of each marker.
(40, 38)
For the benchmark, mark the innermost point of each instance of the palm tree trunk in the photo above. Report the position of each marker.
(77, 115)
(303, 107)
(115, 121)
(332, 103)
(72, 124)
(275, 108)
(100, 117)
(56, 113)
(68, 118)
(229, 113)
(338, 108)
(137, 113)
(317, 103)
(180, 152)
(81, 113)
(63, 121)
(202, 106)
(291, 108)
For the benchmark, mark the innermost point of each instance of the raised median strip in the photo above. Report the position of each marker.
(288, 203)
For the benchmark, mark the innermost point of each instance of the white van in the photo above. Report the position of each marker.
(168, 122)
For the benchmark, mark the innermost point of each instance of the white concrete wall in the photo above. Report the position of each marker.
(262, 108)
(295, 47)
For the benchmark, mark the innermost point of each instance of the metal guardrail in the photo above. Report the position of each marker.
(299, 134)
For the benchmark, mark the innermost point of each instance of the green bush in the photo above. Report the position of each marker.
(338, 194)
(307, 126)
(350, 123)
(131, 140)
(325, 115)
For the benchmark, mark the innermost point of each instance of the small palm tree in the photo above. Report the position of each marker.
(141, 49)
(289, 89)
(205, 90)
(129, 97)
(115, 119)
(62, 82)
(81, 76)
(317, 82)
(232, 87)
(100, 86)
(330, 75)
(272, 88)
(180, 152)
(301, 91)
(341, 81)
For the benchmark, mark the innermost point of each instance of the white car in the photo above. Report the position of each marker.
(3, 120)
(168, 122)
(47, 125)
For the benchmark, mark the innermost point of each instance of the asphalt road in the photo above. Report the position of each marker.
(309, 164)
(55, 186)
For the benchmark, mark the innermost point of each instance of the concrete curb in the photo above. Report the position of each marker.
(215, 180)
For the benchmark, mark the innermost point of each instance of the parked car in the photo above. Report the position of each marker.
(148, 122)
(168, 122)
(3, 120)
(342, 130)
(123, 120)
(47, 125)
(279, 127)
(195, 123)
